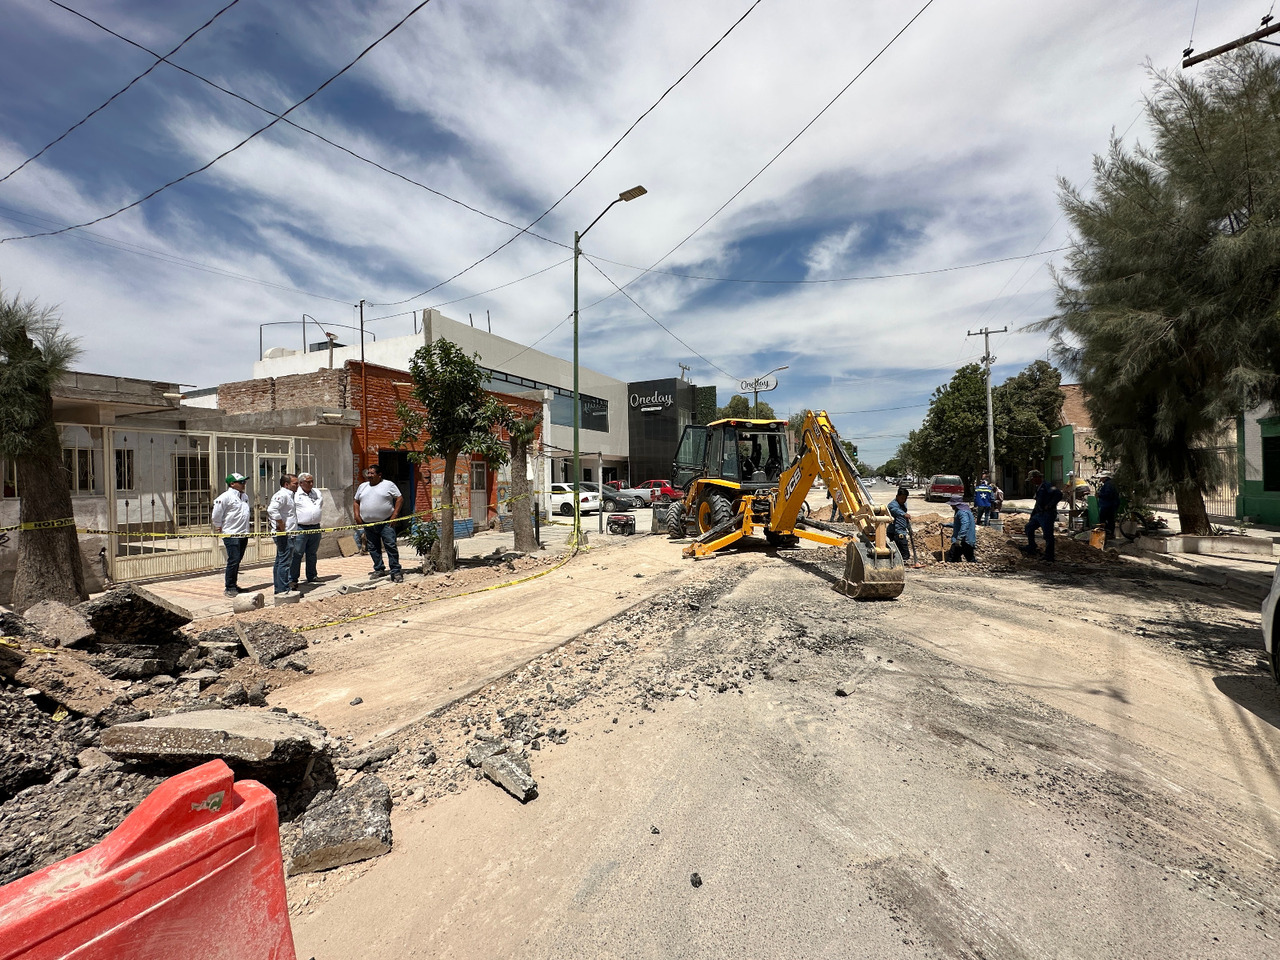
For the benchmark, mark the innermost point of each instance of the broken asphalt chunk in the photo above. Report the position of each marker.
(512, 774)
(352, 825)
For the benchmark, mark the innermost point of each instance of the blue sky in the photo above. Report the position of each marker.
(945, 152)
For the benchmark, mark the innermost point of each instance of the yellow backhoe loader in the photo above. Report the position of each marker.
(738, 479)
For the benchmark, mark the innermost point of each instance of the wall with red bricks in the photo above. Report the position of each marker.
(384, 429)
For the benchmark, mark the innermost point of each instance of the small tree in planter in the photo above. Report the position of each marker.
(460, 418)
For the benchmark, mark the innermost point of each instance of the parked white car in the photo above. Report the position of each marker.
(562, 500)
(1269, 623)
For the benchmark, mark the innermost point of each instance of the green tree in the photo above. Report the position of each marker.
(34, 355)
(1026, 409)
(461, 418)
(1169, 306)
(953, 436)
(738, 407)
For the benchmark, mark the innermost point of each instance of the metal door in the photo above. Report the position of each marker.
(480, 494)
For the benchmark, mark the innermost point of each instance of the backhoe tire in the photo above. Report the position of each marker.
(675, 521)
(713, 510)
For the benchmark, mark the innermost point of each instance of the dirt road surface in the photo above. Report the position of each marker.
(1067, 763)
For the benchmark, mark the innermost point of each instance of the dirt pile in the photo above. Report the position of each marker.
(1000, 550)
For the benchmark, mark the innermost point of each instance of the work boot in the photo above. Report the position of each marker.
(397, 578)
(231, 594)
(377, 574)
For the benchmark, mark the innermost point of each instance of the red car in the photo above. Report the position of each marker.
(943, 487)
(661, 491)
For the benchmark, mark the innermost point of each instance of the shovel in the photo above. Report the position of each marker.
(915, 560)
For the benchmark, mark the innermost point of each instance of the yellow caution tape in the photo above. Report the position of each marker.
(452, 596)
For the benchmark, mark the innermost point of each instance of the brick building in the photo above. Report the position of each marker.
(480, 492)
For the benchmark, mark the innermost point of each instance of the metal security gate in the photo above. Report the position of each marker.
(479, 494)
(160, 496)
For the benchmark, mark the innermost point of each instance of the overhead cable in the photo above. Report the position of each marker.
(669, 331)
(151, 253)
(580, 180)
(307, 130)
(160, 58)
(129, 206)
(786, 146)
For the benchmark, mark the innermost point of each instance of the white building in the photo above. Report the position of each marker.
(512, 368)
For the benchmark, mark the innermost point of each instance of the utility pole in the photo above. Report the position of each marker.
(987, 361)
(1255, 37)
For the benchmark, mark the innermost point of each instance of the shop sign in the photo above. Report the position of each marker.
(653, 403)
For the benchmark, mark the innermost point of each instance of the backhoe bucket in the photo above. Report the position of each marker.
(867, 577)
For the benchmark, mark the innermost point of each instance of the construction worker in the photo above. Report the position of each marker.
(1108, 504)
(983, 499)
(1043, 515)
(901, 528)
(964, 532)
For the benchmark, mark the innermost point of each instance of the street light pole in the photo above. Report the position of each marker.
(755, 394)
(625, 196)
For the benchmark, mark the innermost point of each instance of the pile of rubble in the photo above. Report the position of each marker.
(998, 550)
(100, 702)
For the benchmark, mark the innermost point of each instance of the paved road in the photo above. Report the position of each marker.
(1052, 765)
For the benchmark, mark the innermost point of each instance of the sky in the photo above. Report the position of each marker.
(905, 145)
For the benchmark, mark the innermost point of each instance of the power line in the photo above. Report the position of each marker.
(160, 58)
(788, 144)
(849, 413)
(299, 127)
(164, 257)
(669, 331)
(879, 276)
(231, 150)
(445, 303)
(625, 133)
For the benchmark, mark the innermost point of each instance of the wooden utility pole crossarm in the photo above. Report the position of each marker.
(1218, 51)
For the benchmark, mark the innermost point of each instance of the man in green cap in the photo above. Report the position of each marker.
(231, 514)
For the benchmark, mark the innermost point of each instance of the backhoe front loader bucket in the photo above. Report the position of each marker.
(868, 577)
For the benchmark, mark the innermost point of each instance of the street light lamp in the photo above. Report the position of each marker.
(624, 196)
(755, 400)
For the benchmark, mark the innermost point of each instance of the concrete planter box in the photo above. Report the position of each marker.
(1212, 546)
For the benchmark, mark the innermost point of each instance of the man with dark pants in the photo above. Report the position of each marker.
(964, 532)
(1108, 505)
(308, 505)
(1043, 515)
(984, 492)
(284, 525)
(377, 504)
(231, 519)
(900, 529)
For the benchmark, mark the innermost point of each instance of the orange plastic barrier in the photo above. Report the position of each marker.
(194, 872)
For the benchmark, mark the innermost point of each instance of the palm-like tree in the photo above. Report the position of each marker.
(34, 355)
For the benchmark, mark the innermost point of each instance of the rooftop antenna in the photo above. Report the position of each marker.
(684, 368)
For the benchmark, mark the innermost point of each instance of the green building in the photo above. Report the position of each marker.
(1258, 451)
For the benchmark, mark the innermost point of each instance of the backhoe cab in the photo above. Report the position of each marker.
(738, 477)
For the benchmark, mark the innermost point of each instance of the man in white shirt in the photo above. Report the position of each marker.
(377, 503)
(308, 504)
(284, 523)
(231, 518)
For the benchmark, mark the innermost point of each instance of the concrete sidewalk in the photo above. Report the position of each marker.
(202, 593)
